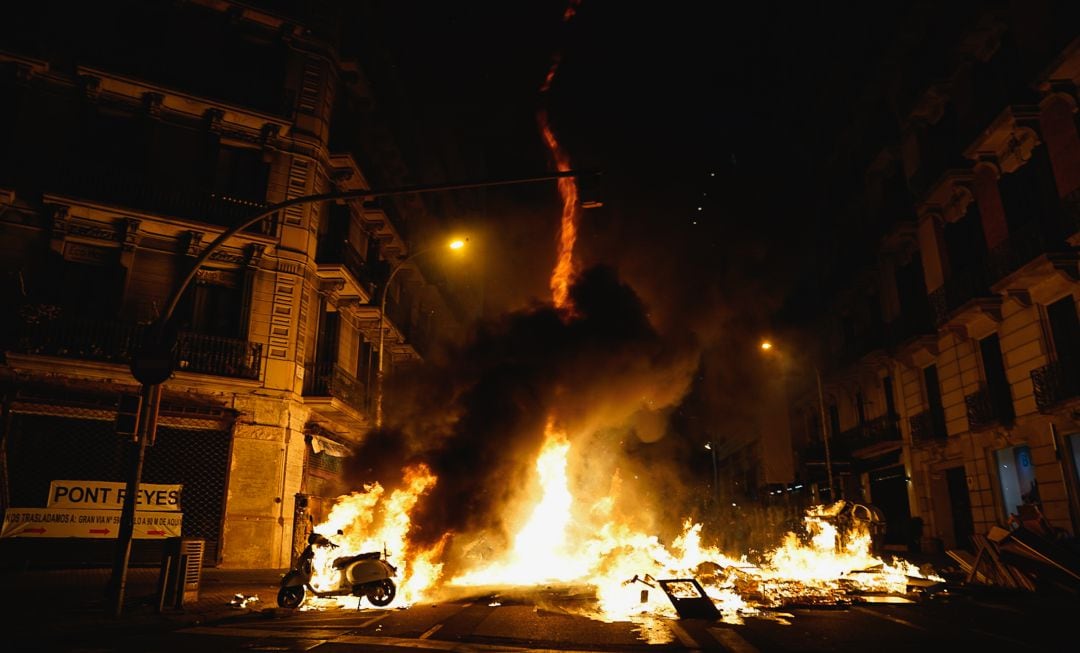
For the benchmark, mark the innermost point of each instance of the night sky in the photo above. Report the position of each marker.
(710, 122)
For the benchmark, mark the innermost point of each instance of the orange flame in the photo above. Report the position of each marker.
(371, 521)
(564, 270)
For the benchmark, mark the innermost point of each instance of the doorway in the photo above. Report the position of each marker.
(960, 505)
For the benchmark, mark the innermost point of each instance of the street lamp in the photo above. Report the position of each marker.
(715, 476)
(456, 245)
(152, 365)
(768, 346)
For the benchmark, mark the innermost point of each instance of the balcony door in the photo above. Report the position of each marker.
(997, 385)
(214, 304)
(1065, 330)
(933, 400)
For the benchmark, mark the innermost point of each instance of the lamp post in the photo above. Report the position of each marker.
(454, 245)
(768, 346)
(715, 475)
(825, 435)
(152, 365)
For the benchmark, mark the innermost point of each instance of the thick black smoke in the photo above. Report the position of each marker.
(603, 375)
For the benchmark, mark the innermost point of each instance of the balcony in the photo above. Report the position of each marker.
(1055, 384)
(872, 437)
(116, 342)
(984, 409)
(928, 426)
(1021, 247)
(88, 181)
(334, 393)
(337, 252)
(957, 291)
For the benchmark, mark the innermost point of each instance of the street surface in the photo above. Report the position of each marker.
(545, 619)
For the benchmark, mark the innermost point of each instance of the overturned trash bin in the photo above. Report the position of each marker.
(181, 572)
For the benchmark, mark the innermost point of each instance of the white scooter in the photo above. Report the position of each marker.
(364, 574)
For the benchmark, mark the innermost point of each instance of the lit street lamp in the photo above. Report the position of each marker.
(455, 245)
(768, 346)
(152, 365)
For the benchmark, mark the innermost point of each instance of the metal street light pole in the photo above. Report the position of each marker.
(767, 346)
(825, 435)
(152, 365)
(382, 326)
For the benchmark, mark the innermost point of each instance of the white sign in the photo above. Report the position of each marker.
(107, 495)
(68, 522)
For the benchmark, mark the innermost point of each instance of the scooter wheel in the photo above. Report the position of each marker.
(290, 597)
(382, 593)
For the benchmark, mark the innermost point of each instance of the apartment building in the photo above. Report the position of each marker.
(136, 133)
(952, 359)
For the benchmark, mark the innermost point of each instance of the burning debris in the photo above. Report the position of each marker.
(240, 601)
(826, 565)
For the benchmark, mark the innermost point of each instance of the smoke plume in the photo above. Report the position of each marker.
(603, 375)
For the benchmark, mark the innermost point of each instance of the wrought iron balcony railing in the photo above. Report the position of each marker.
(204, 354)
(1055, 383)
(329, 380)
(984, 409)
(957, 290)
(339, 251)
(879, 429)
(117, 342)
(928, 426)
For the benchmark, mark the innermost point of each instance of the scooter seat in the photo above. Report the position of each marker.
(345, 561)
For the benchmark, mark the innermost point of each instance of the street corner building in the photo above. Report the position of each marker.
(135, 134)
(949, 320)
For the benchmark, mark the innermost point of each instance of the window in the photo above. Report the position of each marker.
(890, 400)
(213, 304)
(1016, 473)
(933, 400)
(997, 385)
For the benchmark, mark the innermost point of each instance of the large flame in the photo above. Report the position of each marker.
(568, 538)
(369, 520)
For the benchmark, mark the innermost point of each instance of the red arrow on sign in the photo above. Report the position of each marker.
(155, 532)
(34, 530)
(102, 531)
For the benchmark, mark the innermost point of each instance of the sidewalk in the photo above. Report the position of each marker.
(74, 599)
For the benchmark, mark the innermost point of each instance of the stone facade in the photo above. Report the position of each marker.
(98, 226)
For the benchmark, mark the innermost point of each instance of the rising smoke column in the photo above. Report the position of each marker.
(481, 415)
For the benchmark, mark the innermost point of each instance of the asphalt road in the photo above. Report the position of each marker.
(541, 621)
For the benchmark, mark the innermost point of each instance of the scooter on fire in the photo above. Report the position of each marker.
(365, 574)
